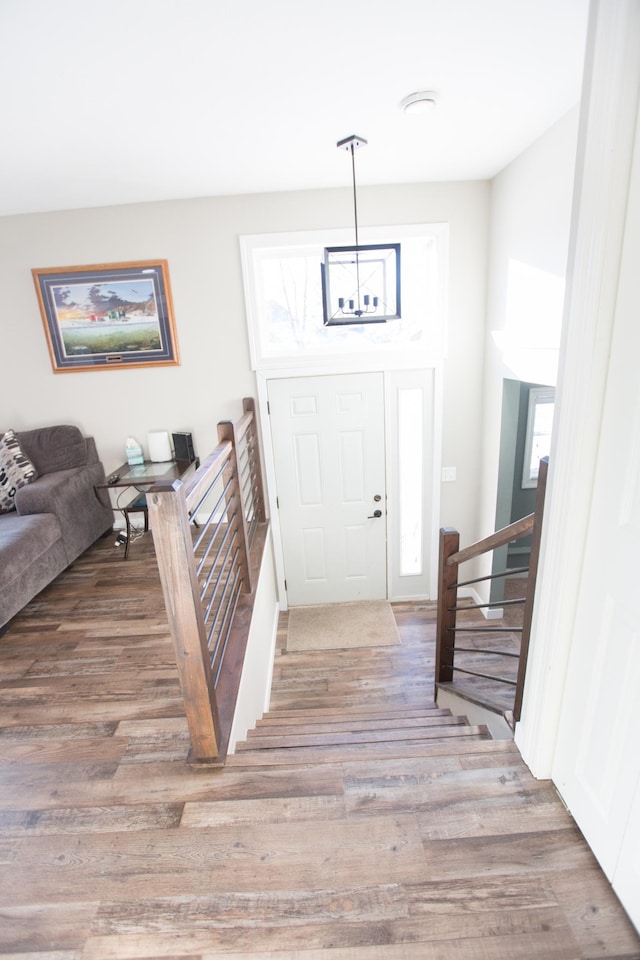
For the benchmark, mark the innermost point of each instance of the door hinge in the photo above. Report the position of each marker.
(285, 585)
(268, 409)
(278, 503)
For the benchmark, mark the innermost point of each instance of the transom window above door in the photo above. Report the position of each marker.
(283, 292)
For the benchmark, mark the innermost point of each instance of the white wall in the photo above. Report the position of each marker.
(528, 248)
(584, 651)
(255, 686)
(199, 238)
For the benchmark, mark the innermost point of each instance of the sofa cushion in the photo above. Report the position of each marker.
(16, 470)
(54, 448)
(23, 540)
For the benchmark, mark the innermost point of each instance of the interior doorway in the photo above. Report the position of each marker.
(519, 447)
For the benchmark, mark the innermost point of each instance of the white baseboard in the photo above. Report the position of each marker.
(489, 613)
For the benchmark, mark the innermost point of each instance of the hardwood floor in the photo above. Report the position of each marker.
(356, 823)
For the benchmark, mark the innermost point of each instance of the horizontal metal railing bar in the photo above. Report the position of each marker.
(494, 603)
(484, 676)
(236, 594)
(213, 465)
(497, 653)
(226, 565)
(246, 489)
(217, 508)
(233, 569)
(486, 629)
(252, 528)
(213, 527)
(244, 463)
(216, 568)
(514, 571)
(217, 649)
(195, 508)
(223, 620)
(212, 514)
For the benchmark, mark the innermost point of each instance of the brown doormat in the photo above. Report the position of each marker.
(367, 623)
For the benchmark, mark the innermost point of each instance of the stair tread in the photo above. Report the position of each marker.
(332, 717)
(333, 710)
(299, 703)
(356, 705)
(463, 743)
(347, 725)
(371, 735)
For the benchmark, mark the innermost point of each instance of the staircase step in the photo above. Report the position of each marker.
(283, 728)
(347, 702)
(342, 682)
(335, 709)
(352, 670)
(368, 735)
(357, 705)
(462, 741)
(337, 715)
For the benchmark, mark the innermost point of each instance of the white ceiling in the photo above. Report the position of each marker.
(117, 101)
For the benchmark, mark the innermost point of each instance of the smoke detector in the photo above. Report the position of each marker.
(422, 102)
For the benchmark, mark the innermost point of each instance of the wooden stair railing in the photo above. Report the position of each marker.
(203, 530)
(450, 559)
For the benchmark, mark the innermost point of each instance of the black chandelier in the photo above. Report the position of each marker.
(360, 283)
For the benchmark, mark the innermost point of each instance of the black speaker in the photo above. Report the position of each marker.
(183, 447)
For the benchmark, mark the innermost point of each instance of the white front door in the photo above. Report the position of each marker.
(329, 457)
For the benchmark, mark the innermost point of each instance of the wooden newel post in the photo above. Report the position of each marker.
(235, 505)
(172, 540)
(447, 600)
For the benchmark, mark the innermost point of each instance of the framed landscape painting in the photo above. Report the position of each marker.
(106, 316)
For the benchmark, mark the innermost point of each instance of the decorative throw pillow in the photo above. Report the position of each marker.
(16, 470)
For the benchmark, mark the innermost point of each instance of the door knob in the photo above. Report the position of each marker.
(375, 515)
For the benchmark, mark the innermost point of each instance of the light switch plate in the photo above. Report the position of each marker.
(448, 473)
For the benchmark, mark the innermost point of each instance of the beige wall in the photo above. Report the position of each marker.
(199, 238)
(529, 241)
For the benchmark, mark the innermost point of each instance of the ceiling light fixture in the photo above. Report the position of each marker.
(423, 102)
(361, 283)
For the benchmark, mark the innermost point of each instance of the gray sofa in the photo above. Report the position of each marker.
(57, 516)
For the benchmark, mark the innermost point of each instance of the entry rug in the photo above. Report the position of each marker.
(367, 623)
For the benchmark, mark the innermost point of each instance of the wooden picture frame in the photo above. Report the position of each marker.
(108, 316)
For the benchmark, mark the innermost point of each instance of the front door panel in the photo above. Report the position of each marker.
(328, 443)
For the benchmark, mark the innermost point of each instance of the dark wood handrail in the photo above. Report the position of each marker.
(205, 573)
(498, 539)
(196, 486)
(450, 558)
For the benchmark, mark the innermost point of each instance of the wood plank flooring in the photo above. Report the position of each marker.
(357, 822)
